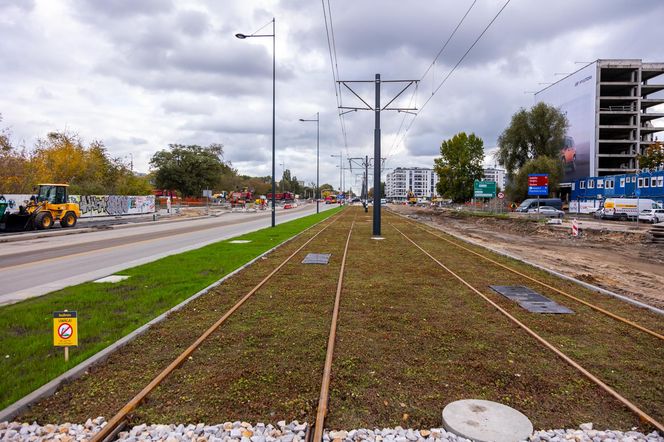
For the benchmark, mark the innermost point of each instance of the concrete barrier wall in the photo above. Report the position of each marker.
(97, 205)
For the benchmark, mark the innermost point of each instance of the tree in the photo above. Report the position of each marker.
(189, 168)
(653, 156)
(326, 189)
(382, 190)
(460, 164)
(537, 132)
(517, 189)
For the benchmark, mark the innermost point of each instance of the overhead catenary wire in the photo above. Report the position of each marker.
(449, 74)
(334, 65)
(426, 71)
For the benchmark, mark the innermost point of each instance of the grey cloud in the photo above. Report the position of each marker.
(25, 5)
(193, 23)
(121, 9)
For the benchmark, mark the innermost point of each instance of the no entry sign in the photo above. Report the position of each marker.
(65, 332)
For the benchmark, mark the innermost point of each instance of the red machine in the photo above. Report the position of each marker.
(282, 197)
(240, 198)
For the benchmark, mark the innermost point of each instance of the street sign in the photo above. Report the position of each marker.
(484, 189)
(207, 193)
(501, 195)
(538, 184)
(65, 333)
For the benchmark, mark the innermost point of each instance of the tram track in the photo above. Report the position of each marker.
(590, 305)
(643, 416)
(117, 421)
(378, 338)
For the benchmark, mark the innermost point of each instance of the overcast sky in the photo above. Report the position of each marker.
(141, 74)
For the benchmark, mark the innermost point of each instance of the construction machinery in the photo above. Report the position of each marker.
(411, 198)
(50, 204)
(240, 198)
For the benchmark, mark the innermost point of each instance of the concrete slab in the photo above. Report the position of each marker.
(239, 241)
(486, 421)
(112, 279)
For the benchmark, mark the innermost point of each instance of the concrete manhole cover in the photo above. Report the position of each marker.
(486, 421)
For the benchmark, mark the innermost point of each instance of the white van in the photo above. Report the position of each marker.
(624, 208)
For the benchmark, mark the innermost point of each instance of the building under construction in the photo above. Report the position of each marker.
(615, 111)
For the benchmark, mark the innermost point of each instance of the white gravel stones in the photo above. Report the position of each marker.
(283, 432)
(16, 431)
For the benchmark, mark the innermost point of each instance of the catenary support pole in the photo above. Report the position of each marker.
(317, 196)
(274, 101)
(376, 202)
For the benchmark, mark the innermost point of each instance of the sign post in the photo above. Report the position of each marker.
(65, 330)
(538, 185)
(484, 189)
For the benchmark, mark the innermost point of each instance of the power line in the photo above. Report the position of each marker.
(432, 65)
(448, 40)
(334, 65)
(454, 69)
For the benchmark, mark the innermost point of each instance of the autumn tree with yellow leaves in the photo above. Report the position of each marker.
(62, 157)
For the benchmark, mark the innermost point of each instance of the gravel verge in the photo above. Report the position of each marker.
(283, 432)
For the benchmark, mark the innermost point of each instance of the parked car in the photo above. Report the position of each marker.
(652, 215)
(532, 203)
(548, 211)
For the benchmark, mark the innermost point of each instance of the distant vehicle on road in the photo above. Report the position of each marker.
(548, 211)
(383, 201)
(532, 203)
(625, 208)
(653, 216)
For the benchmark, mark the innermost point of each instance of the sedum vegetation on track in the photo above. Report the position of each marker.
(107, 312)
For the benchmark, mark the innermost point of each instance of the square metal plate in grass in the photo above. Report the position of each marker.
(530, 300)
(317, 258)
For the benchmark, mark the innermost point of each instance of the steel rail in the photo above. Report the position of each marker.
(136, 400)
(640, 413)
(579, 300)
(321, 412)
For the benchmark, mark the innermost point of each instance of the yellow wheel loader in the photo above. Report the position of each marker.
(50, 205)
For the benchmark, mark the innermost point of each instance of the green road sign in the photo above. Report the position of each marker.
(484, 189)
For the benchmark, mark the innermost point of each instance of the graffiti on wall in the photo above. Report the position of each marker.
(97, 205)
(113, 205)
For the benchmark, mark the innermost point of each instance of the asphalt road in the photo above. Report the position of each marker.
(37, 266)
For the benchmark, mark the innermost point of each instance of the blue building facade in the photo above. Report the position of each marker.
(645, 184)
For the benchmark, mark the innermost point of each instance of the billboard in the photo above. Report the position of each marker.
(575, 96)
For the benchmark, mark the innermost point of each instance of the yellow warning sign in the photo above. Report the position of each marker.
(65, 332)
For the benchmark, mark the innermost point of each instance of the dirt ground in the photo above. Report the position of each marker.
(607, 255)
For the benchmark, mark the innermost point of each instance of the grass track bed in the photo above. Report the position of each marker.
(410, 340)
(108, 312)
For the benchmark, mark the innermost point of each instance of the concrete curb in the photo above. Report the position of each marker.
(64, 232)
(75, 372)
(540, 267)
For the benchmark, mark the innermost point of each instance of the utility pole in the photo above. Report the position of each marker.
(377, 109)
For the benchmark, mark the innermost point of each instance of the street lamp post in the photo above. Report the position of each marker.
(317, 120)
(274, 77)
(341, 165)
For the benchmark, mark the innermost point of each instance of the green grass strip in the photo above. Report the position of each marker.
(107, 312)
